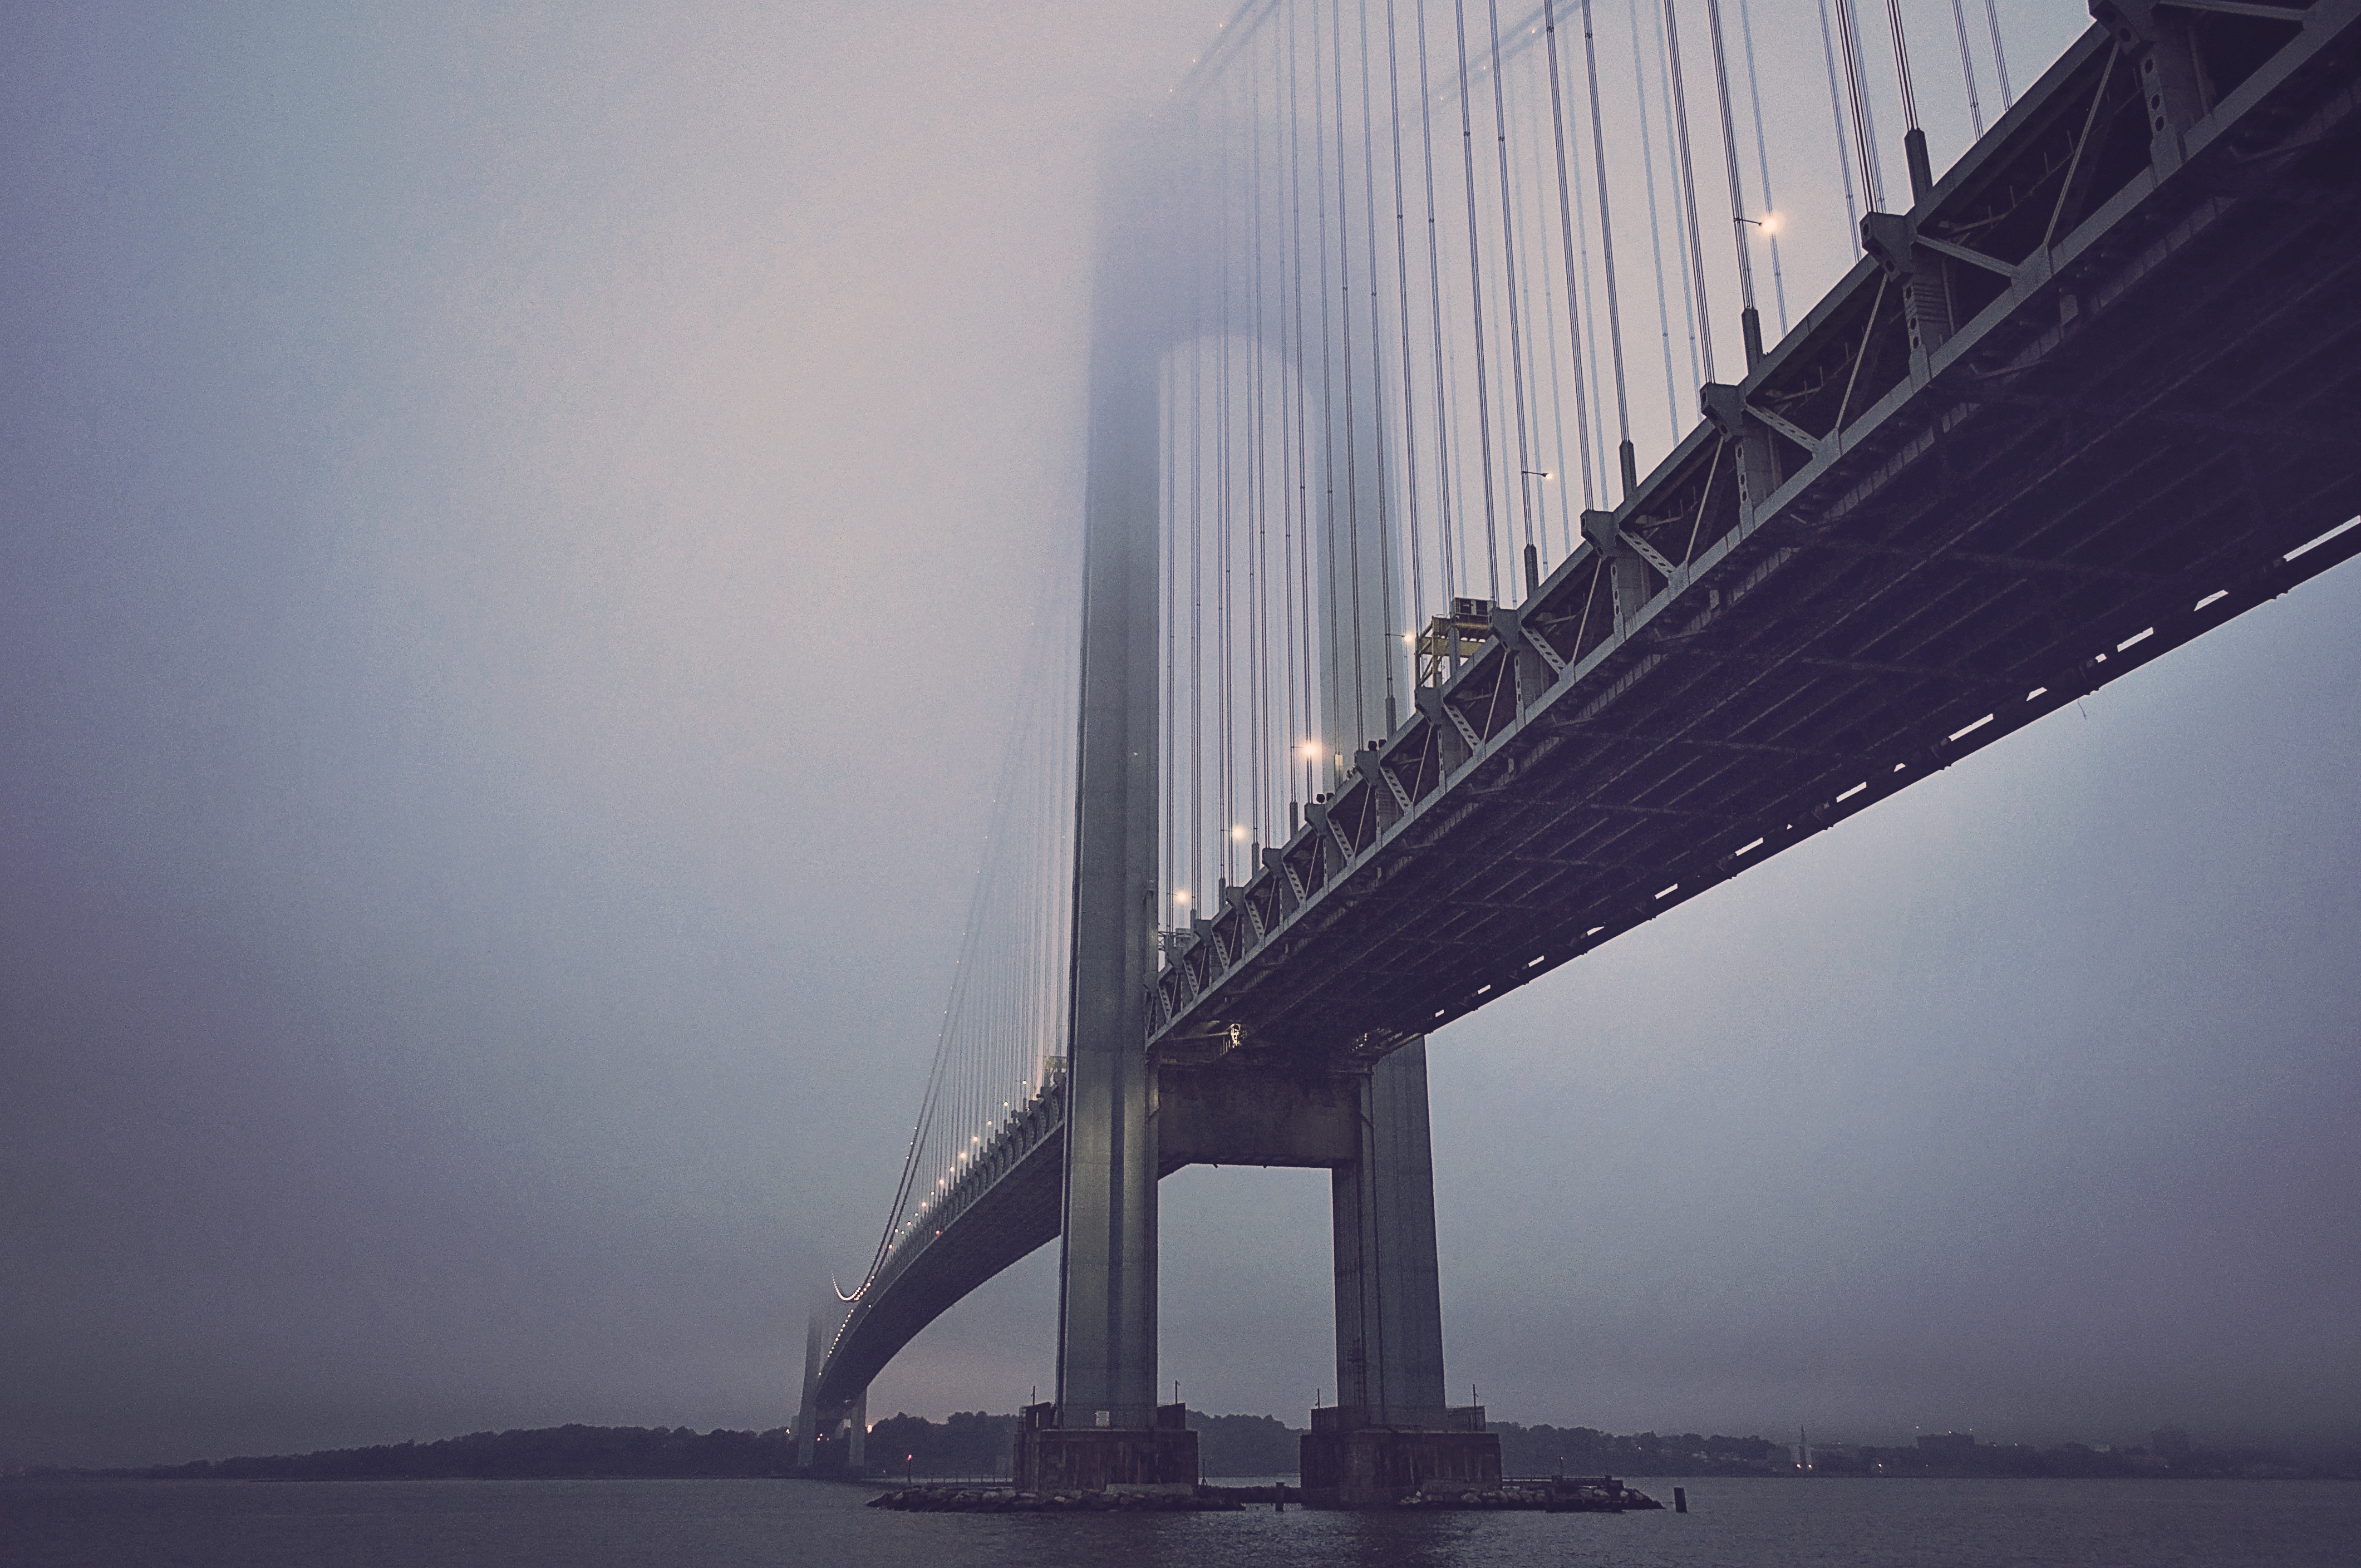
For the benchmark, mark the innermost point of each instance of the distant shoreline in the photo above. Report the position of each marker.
(976, 1444)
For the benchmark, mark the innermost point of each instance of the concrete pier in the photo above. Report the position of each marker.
(1350, 1462)
(1054, 1457)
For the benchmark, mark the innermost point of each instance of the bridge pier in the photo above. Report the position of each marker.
(831, 1435)
(1388, 1293)
(807, 1418)
(1390, 1432)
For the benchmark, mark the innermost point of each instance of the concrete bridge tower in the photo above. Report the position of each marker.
(1131, 1119)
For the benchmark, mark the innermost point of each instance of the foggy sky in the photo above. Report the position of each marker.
(516, 527)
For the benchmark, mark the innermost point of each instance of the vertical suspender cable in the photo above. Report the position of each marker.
(1864, 123)
(1385, 540)
(1689, 189)
(1301, 607)
(1690, 304)
(2000, 56)
(1590, 369)
(1289, 395)
(1170, 908)
(1902, 63)
(1193, 879)
(1656, 228)
(1225, 769)
(1435, 318)
(1763, 164)
(1401, 296)
(1516, 341)
(1547, 354)
(1967, 66)
(1328, 552)
(1541, 328)
(1344, 318)
(1565, 242)
(1606, 257)
(1844, 156)
(1476, 293)
(1748, 315)
(1914, 140)
(1258, 574)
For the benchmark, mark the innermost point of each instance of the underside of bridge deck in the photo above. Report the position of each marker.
(2076, 409)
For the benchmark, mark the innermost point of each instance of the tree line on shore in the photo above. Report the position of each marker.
(977, 1444)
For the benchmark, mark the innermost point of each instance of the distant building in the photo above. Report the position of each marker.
(1946, 1445)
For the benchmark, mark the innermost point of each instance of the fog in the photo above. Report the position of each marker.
(518, 526)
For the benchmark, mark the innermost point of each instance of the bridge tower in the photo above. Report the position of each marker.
(1131, 1119)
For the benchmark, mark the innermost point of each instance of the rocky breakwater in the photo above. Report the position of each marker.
(1002, 1500)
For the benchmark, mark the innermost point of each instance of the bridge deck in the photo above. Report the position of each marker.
(1896, 540)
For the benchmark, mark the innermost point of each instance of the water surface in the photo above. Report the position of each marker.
(726, 1524)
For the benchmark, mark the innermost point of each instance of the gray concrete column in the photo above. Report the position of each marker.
(1106, 1329)
(807, 1417)
(1388, 1291)
(856, 1454)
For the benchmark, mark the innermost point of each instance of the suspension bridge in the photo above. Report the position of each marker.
(1401, 683)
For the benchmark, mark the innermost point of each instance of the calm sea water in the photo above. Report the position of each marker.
(725, 1524)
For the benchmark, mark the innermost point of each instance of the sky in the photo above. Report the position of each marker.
(518, 529)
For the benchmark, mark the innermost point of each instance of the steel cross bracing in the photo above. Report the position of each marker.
(2079, 405)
